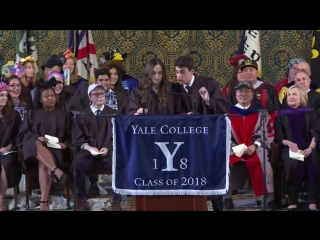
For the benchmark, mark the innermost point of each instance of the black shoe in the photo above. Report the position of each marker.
(259, 202)
(271, 206)
(303, 197)
(93, 191)
(217, 203)
(235, 192)
(228, 204)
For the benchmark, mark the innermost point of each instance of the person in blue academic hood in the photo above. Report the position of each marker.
(114, 59)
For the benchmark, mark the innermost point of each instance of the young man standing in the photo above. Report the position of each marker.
(206, 92)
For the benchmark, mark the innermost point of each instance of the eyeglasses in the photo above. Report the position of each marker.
(97, 94)
(17, 86)
(58, 82)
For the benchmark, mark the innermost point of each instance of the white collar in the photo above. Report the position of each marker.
(94, 110)
(190, 83)
(257, 84)
(239, 106)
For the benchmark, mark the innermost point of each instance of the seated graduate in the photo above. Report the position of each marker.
(64, 93)
(114, 58)
(45, 119)
(93, 133)
(153, 93)
(20, 96)
(28, 79)
(297, 128)
(248, 130)
(10, 173)
(303, 79)
(114, 99)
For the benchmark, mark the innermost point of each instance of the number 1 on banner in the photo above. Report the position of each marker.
(155, 164)
(183, 163)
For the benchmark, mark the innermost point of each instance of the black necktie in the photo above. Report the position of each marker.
(97, 116)
(188, 89)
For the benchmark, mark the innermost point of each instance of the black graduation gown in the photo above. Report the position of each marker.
(173, 106)
(299, 126)
(40, 122)
(9, 131)
(86, 130)
(217, 103)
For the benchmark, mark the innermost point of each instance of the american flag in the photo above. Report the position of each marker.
(82, 45)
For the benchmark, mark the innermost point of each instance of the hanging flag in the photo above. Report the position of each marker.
(93, 61)
(82, 45)
(315, 59)
(82, 54)
(26, 45)
(250, 46)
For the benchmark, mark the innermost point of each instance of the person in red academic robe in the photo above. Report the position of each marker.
(265, 94)
(303, 65)
(247, 126)
(292, 68)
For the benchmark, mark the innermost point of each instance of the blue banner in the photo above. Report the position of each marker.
(171, 155)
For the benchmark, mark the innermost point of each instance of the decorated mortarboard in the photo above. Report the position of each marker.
(57, 75)
(21, 71)
(4, 86)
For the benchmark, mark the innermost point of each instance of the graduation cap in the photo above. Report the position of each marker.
(21, 71)
(114, 57)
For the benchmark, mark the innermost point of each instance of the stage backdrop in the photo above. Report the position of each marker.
(211, 49)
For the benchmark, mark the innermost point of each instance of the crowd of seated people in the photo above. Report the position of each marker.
(33, 111)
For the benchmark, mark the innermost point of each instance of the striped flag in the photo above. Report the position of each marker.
(82, 45)
(315, 58)
(26, 45)
(250, 46)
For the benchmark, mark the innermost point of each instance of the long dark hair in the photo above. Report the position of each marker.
(41, 86)
(24, 95)
(146, 83)
(234, 79)
(118, 86)
(7, 111)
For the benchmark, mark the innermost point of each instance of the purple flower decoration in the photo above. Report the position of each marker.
(4, 86)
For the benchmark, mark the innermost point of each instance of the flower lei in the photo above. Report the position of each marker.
(27, 59)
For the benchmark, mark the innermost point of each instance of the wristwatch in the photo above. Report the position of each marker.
(256, 145)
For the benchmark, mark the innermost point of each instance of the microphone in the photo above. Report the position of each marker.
(144, 102)
(193, 101)
(76, 104)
